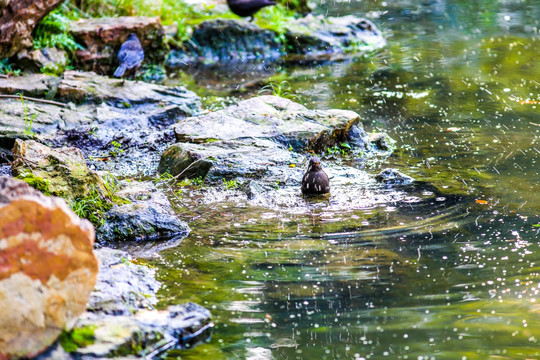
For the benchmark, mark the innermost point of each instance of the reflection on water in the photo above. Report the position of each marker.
(451, 275)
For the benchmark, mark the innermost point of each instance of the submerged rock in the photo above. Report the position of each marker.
(61, 172)
(393, 177)
(48, 268)
(102, 38)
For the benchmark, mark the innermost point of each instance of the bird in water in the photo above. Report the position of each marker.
(130, 56)
(246, 8)
(315, 180)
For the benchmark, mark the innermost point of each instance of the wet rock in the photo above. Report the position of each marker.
(273, 118)
(103, 37)
(50, 60)
(47, 121)
(318, 36)
(226, 159)
(178, 327)
(257, 137)
(311, 38)
(382, 142)
(122, 320)
(226, 40)
(48, 268)
(87, 86)
(18, 19)
(36, 85)
(393, 177)
(123, 127)
(122, 287)
(61, 172)
(140, 221)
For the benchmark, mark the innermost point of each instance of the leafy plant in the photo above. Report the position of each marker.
(283, 89)
(7, 69)
(117, 149)
(230, 184)
(342, 149)
(53, 32)
(27, 121)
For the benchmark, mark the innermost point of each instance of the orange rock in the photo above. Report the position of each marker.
(47, 268)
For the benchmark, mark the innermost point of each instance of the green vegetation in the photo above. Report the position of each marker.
(152, 72)
(7, 69)
(76, 338)
(343, 149)
(95, 205)
(36, 182)
(230, 184)
(117, 149)
(27, 121)
(282, 89)
(195, 182)
(53, 32)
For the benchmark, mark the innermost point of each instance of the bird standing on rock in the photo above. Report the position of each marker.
(246, 8)
(130, 56)
(315, 180)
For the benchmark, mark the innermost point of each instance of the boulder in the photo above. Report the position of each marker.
(18, 18)
(102, 38)
(257, 137)
(49, 60)
(320, 36)
(140, 221)
(61, 172)
(226, 40)
(48, 268)
(274, 118)
(308, 38)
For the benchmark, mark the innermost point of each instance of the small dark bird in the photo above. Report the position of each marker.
(315, 180)
(130, 56)
(246, 8)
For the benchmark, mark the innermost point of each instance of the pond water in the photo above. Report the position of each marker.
(454, 276)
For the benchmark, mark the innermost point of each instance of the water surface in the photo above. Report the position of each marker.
(451, 275)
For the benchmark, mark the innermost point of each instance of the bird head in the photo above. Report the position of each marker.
(132, 36)
(314, 164)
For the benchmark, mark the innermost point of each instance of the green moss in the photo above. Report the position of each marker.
(36, 182)
(76, 338)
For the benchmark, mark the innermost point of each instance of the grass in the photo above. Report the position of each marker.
(95, 205)
(27, 121)
(117, 149)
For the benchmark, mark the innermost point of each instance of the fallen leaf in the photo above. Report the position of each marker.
(481, 202)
